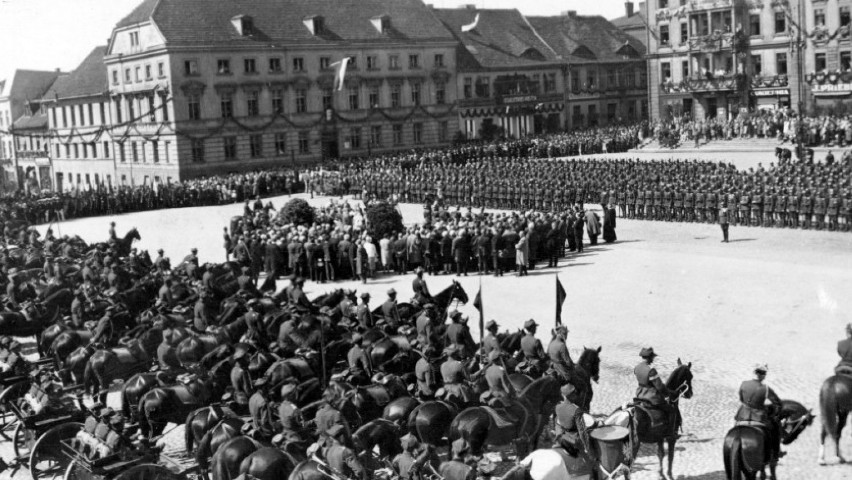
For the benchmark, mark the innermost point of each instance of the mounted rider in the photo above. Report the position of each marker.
(458, 335)
(458, 468)
(557, 351)
(260, 409)
(844, 349)
(426, 371)
(652, 391)
(499, 385)
(421, 290)
(570, 430)
(360, 370)
(426, 327)
(759, 404)
(390, 311)
(363, 315)
(340, 457)
(532, 350)
(290, 416)
(456, 378)
(490, 343)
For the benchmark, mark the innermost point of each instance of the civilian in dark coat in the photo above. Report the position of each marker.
(461, 252)
(579, 229)
(609, 224)
(447, 252)
(497, 252)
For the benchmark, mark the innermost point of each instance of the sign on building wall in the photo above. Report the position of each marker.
(836, 88)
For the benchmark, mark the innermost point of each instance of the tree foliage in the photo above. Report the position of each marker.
(298, 212)
(383, 219)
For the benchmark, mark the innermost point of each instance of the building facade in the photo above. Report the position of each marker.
(15, 96)
(509, 81)
(200, 90)
(634, 22)
(715, 58)
(606, 80)
(77, 109)
(827, 42)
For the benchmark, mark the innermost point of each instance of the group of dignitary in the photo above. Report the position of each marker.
(338, 245)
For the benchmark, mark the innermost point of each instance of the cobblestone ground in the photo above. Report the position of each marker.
(775, 296)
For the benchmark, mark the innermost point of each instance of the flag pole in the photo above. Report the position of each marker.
(558, 319)
(481, 314)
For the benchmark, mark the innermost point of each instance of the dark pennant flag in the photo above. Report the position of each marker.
(560, 299)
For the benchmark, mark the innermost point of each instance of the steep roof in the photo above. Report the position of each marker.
(208, 22)
(89, 78)
(584, 39)
(31, 84)
(501, 38)
(142, 13)
(637, 20)
(32, 122)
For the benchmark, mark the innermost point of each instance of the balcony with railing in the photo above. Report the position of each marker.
(705, 83)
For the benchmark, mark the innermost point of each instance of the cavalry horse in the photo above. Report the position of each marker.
(586, 370)
(105, 366)
(835, 403)
(746, 451)
(651, 423)
(123, 244)
(482, 426)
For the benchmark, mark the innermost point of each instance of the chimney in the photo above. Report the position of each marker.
(569, 13)
(628, 6)
(467, 6)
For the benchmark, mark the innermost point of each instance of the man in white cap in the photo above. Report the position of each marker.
(759, 403)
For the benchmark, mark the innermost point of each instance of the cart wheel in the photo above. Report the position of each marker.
(46, 459)
(22, 441)
(71, 472)
(8, 419)
(149, 471)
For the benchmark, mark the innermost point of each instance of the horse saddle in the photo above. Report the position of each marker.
(507, 414)
(130, 354)
(187, 394)
(750, 423)
(843, 370)
(658, 417)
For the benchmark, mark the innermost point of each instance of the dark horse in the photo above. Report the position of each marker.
(480, 427)
(835, 403)
(649, 431)
(745, 450)
(586, 370)
(430, 421)
(123, 245)
(381, 432)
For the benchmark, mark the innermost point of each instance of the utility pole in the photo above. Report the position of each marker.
(800, 72)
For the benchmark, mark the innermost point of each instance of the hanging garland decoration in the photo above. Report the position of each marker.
(121, 132)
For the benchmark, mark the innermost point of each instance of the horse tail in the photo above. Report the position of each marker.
(188, 433)
(829, 408)
(735, 457)
(89, 378)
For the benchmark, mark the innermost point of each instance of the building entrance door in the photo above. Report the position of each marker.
(711, 108)
(59, 181)
(329, 146)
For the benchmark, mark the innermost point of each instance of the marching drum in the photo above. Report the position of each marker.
(610, 444)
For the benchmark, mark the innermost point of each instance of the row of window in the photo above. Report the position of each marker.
(82, 150)
(8, 122)
(481, 87)
(704, 27)
(135, 74)
(134, 151)
(84, 181)
(843, 13)
(71, 115)
(300, 99)
(275, 65)
(141, 108)
(820, 63)
(756, 66)
(615, 77)
(354, 138)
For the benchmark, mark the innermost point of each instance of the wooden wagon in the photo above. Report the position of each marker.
(128, 463)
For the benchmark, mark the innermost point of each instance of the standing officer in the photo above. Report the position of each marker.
(723, 222)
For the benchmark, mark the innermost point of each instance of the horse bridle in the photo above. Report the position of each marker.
(681, 391)
(796, 424)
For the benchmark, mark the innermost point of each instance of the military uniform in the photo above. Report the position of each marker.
(454, 376)
(534, 352)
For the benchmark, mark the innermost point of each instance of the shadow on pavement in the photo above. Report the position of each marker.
(742, 240)
(720, 475)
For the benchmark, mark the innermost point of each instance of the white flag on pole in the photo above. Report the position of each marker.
(341, 73)
(471, 26)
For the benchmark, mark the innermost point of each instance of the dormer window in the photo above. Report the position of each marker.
(316, 24)
(243, 24)
(382, 23)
